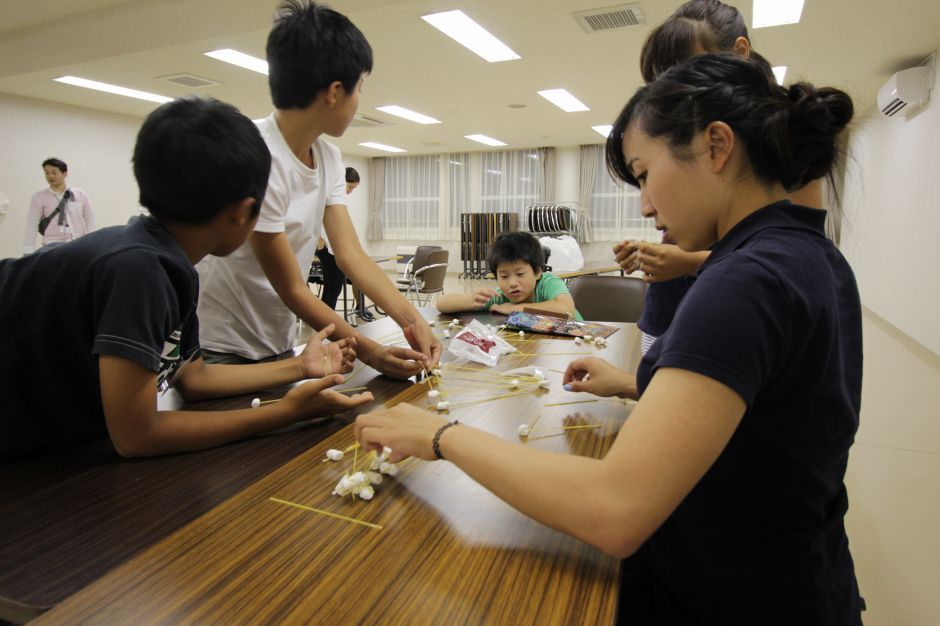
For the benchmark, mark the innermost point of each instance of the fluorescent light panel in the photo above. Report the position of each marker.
(408, 114)
(466, 32)
(240, 59)
(484, 139)
(115, 89)
(776, 12)
(562, 99)
(603, 130)
(780, 72)
(380, 146)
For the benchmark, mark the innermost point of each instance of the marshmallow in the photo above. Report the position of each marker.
(334, 455)
(538, 373)
(455, 322)
(434, 394)
(436, 372)
(523, 431)
(446, 334)
(443, 405)
(374, 477)
(588, 338)
(522, 333)
(389, 468)
(432, 322)
(376, 463)
(578, 341)
(366, 493)
(255, 403)
(514, 383)
(359, 479)
(544, 384)
(386, 452)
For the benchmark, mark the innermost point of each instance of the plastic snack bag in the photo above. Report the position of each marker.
(477, 342)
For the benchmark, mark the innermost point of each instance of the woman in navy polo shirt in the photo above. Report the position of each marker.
(730, 468)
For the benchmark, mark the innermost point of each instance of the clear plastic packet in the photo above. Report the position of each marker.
(477, 342)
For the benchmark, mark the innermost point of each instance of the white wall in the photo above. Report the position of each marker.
(891, 229)
(96, 146)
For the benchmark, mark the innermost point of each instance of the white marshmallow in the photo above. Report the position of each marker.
(455, 321)
(432, 322)
(434, 394)
(359, 479)
(334, 454)
(389, 468)
(446, 334)
(376, 463)
(437, 372)
(578, 341)
(255, 403)
(374, 477)
(538, 373)
(514, 383)
(386, 452)
(588, 338)
(523, 431)
(522, 333)
(544, 384)
(443, 405)
(366, 493)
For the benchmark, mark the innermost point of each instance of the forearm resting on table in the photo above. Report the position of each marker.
(199, 381)
(137, 428)
(456, 303)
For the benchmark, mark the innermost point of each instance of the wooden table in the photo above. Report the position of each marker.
(69, 518)
(448, 551)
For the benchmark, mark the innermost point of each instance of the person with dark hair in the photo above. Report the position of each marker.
(59, 213)
(730, 467)
(696, 27)
(333, 276)
(517, 259)
(250, 300)
(97, 326)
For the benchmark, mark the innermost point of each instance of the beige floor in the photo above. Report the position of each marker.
(893, 477)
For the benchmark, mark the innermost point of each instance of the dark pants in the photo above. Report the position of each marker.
(333, 278)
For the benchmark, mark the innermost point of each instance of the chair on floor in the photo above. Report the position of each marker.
(419, 260)
(609, 298)
(428, 279)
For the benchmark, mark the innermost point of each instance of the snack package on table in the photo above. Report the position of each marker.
(530, 322)
(479, 343)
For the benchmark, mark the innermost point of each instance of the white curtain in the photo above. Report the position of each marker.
(510, 181)
(377, 183)
(547, 181)
(589, 163)
(412, 198)
(614, 213)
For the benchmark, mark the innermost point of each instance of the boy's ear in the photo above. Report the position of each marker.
(721, 144)
(240, 212)
(333, 92)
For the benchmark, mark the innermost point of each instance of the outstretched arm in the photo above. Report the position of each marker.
(137, 428)
(673, 436)
(459, 302)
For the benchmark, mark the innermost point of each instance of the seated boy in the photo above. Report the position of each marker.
(517, 260)
(96, 326)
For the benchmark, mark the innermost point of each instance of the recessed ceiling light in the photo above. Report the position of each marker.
(780, 73)
(776, 12)
(466, 32)
(240, 59)
(115, 89)
(484, 139)
(408, 114)
(380, 146)
(562, 99)
(603, 130)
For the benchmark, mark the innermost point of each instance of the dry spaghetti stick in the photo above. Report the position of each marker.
(553, 353)
(327, 513)
(482, 400)
(564, 428)
(571, 402)
(351, 389)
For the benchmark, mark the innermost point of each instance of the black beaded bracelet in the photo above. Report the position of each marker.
(436, 442)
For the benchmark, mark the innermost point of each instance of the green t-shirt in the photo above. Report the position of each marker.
(547, 288)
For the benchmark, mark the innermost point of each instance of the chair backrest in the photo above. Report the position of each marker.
(421, 257)
(609, 298)
(431, 276)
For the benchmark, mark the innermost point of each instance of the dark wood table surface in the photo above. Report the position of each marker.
(67, 519)
(448, 550)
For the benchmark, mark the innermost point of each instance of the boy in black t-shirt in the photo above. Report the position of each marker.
(93, 328)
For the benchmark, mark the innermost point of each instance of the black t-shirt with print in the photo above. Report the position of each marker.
(775, 315)
(126, 291)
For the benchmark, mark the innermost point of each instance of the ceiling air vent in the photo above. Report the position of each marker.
(190, 80)
(608, 18)
(364, 121)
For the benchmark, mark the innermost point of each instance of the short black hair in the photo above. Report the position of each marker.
(352, 176)
(516, 246)
(310, 47)
(54, 162)
(195, 156)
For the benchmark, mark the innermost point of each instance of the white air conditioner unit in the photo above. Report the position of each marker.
(906, 90)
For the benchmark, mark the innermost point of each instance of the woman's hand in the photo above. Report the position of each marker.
(406, 429)
(597, 376)
(316, 399)
(626, 255)
(665, 261)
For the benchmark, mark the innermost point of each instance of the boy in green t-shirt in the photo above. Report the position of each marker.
(517, 261)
